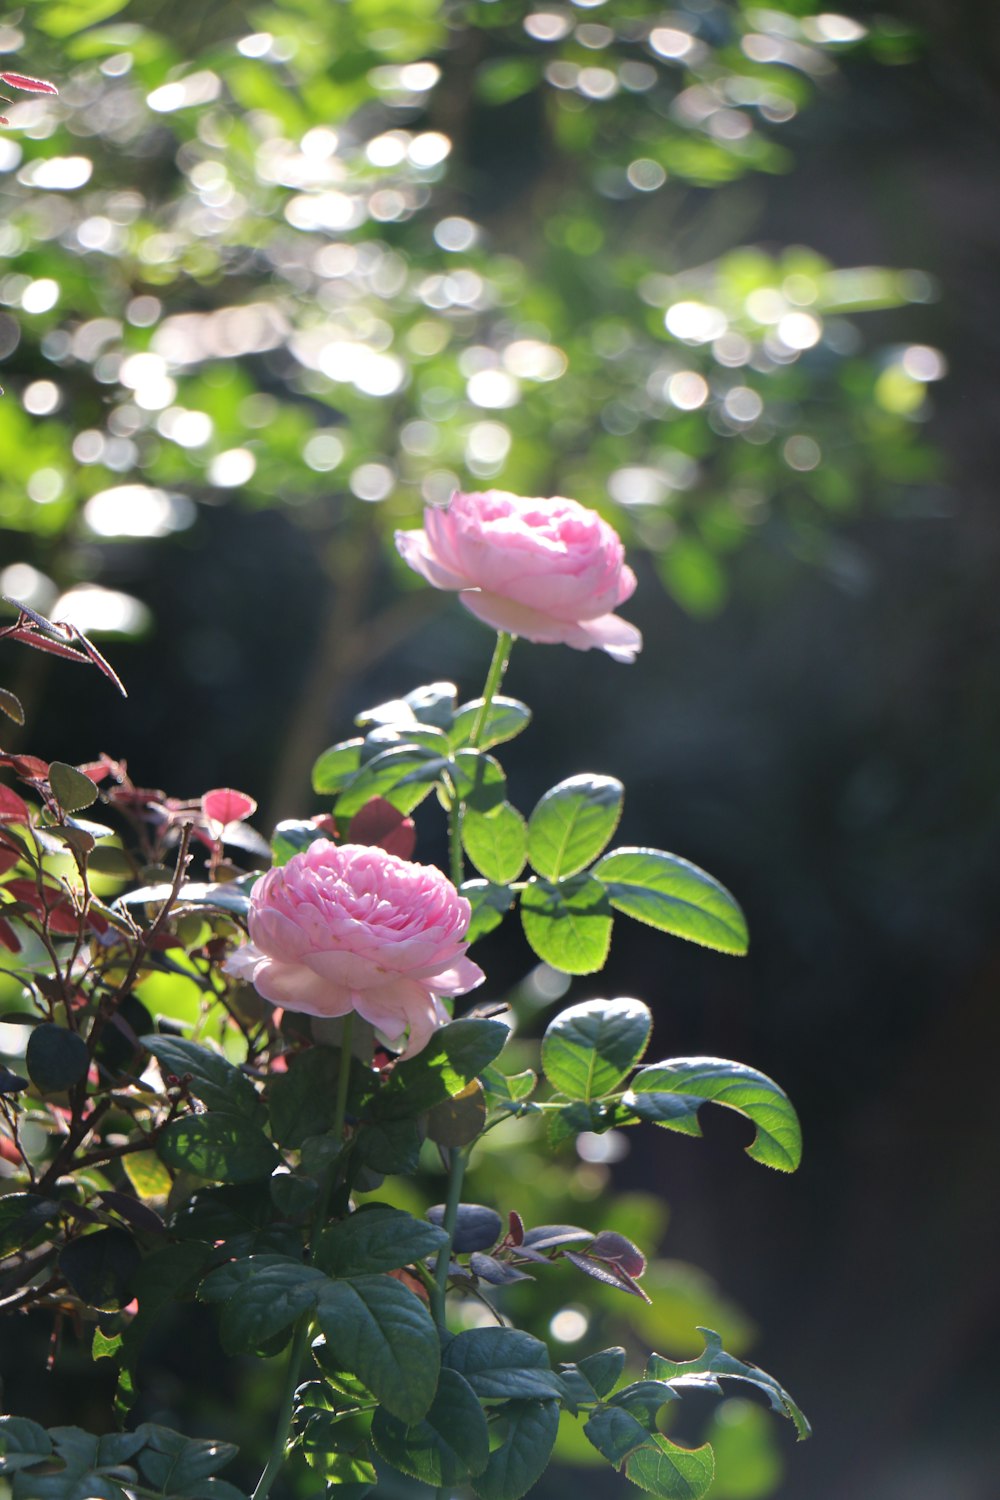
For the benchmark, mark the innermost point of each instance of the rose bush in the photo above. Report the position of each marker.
(354, 928)
(549, 570)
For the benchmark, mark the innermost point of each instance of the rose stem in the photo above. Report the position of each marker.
(456, 1172)
(498, 666)
(277, 1457)
(494, 677)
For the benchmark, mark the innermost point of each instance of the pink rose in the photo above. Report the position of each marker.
(351, 927)
(549, 570)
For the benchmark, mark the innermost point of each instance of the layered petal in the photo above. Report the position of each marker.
(539, 568)
(353, 927)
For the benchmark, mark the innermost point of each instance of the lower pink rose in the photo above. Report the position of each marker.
(353, 928)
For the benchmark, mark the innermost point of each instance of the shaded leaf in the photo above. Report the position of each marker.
(377, 1239)
(220, 1147)
(490, 904)
(56, 1059)
(703, 1374)
(213, 1079)
(502, 1364)
(447, 1446)
(384, 1335)
(263, 1295)
(476, 1226)
(505, 719)
(403, 775)
(604, 1369)
(101, 1268)
(458, 1121)
(455, 1055)
(523, 1452)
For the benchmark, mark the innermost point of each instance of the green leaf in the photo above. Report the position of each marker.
(502, 1364)
(589, 1048)
(218, 1146)
(673, 895)
(403, 775)
(643, 1399)
(496, 842)
(302, 1101)
(263, 1296)
(166, 1277)
(176, 1464)
(523, 1452)
(376, 1239)
(490, 904)
(479, 780)
(101, 1268)
(147, 1174)
(604, 1369)
(336, 766)
(11, 705)
(648, 1458)
(71, 788)
(213, 1080)
(458, 1121)
(455, 1055)
(572, 824)
(56, 1059)
(452, 1441)
(670, 1094)
(384, 1334)
(293, 835)
(22, 1438)
(508, 1090)
(22, 1216)
(569, 924)
(505, 719)
(703, 1374)
(390, 1146)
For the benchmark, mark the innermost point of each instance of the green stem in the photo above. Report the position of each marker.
(296, 1354)
(456, 857)
(498, 666)
(456, 1175)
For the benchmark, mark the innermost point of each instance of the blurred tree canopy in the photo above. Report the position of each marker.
(336, 260)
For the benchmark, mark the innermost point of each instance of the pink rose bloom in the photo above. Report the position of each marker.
(353, 928)
(549, 570)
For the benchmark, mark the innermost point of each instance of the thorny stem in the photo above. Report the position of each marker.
(283, 1425)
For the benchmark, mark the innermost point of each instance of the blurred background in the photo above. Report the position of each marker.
(275, 276)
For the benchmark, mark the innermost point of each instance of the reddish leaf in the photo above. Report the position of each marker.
(8, 859)
(29, 85)
(379, 823)
(8, 937)
(12, 809)
(27, 767)
(224, 805)
(611, 1246)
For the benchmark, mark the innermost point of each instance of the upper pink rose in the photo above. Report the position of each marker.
(549, 570)
(351, 927)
